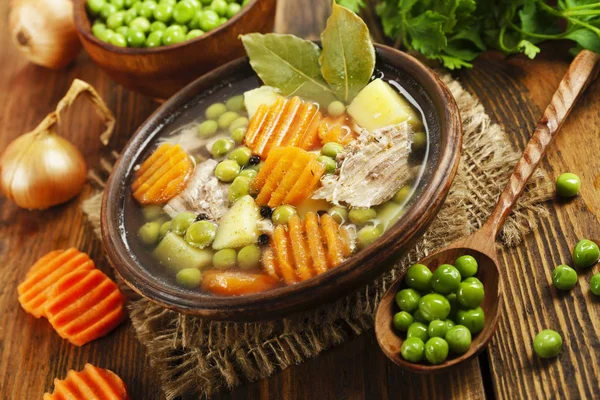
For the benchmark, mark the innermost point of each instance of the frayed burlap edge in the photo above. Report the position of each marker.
(197, 357)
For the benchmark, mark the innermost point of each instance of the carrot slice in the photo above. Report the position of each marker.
(283, 252)
(234, 283)
(304, 118)
(163, 175)
(300, 248)
(275, 112)
(277, 133)
(310, 139)
(267, 169)
(279, 171)
(34, 290)
(255, 125)
(291, 177)
(92, 383)
(315, 242)
(335, 130)
(84, 306)
(269, 262)
(330, 228)
(306, 183)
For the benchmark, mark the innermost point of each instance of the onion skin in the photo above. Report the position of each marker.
(41, 169)
(43, 30)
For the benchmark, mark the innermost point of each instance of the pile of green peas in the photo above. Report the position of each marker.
(154, 23)
(440, 310)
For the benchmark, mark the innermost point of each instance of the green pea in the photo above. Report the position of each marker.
(115, 20)
(225, 259)
(207, 128)
(413, 350)
(157, 26)
(418, 330)
(95, 6)
(130, 15)
(163, 12)
(201, 234)
(339, 214)
(155, 39)
(473, 319)
(368, 234)
(585, 253)
(183, 12)
(129, 3)
(238, 134)
(459, 339)
(402, 320)
(445, 279)
(136, 38)
(418, 277)
(473, 279)
(547, 343)
(215, 110)
(564, 277)
(240, 122)
(403, 194)
(123, 30)
(177, 28)
(107, 10)
(466, 266)
(138, 5)
(256, 167)
(330, 164)
(219, 6)
(454, 306)
(408, 300)
(209, 21)
(226, 119)
(437, 328)
(227, 170)
(336, 108)
(173, 37)
(239, 188)
(118, 3)
(189, 277)
(419, 141)
(149, 233)
(147, 8)
(449, 324)
(249, 257)
(152, 212)
(282, 214)
(241, 155)
(182, 221)
(98, 27)
(141, 24)
(105, 35)
(418, 316)
(118, 40)
(235, 103)
(567, 185)
(434, 306)
(194, 33)
(232, 9)
(595, 284)
(361, 216)
(165, 228)
(332, 149)
(470, 294)
(248, 173)
(221, 147)
(222, 20)
(436, 350)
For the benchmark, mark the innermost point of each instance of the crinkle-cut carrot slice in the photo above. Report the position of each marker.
(276, 176)
(310, 139)
(277, 132)
(283, 251)
(306, 183)
(275, 112)
(291, 176)
(255, 125)
(302, 122)
(267, 169)
(315, 242)
(162, 177)
(300, 248)
(331, 234)
(34, 291)
(269, 262)
(92, 383)
(84, 306)
(335, 130)
(235, 283)
(348, 244)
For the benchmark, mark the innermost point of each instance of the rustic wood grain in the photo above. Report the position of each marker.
(513, 92)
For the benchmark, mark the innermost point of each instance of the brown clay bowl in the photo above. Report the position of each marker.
(161, 71)
(133, 265)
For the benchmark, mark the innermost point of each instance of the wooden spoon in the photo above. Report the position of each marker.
(481, 244)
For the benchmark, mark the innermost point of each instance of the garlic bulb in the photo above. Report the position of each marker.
(44, 32)
(40, 169)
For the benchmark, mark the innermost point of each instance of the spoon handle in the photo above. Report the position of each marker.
(582, 71)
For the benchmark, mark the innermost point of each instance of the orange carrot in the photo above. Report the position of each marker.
(284, 255)
(276, 176)
(234, 283)
(269, 262)
(304, 118)
(92, 383)
(310, 139)
(84, 306)
(278, 133)
(291, 176)
(315, 242)
(34, 290)
(332, 239)
(267, 169)
(275, 112)
(256, 123)
(299, 248)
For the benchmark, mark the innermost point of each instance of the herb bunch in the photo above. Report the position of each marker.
(455, 32)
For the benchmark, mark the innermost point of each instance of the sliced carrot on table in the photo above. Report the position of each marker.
(235, 283)
(92, 383)
(163, 175)
(43, 275)
(315, 242)
(331, 234)
(84, 306)
(300, 248)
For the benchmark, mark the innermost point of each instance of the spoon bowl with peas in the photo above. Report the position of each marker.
(481, 244)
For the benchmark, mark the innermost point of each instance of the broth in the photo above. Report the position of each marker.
(282, 250)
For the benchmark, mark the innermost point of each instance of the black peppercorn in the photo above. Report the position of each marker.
(266, 211)
(254, 160)
(263, 239)
(201, 217)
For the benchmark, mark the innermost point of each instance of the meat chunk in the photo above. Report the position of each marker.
(374, 167)
(204, 193)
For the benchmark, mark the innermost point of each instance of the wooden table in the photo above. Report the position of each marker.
(514, 92)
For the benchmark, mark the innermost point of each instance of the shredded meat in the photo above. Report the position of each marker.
(374, 167)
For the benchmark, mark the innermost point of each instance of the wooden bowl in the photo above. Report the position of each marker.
(161, 71)
(443, 119)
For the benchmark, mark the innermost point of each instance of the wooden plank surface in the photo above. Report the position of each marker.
(513, 92)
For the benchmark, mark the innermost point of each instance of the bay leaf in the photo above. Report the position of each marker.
(348, 56)
(289, 64)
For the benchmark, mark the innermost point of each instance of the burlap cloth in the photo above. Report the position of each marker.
(196, 357)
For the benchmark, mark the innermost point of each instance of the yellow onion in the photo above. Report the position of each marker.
(44, 32)
(41, 169)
